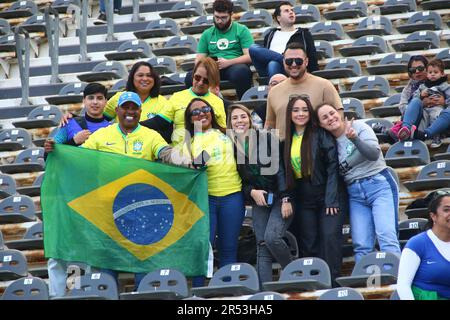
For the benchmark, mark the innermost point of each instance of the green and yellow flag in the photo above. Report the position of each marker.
(121, 213)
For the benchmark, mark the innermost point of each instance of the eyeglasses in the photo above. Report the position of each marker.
(298, 96)
(204, 109)
(273, 83)
(223, 18)
(290, 61)
(414, 70)
(199, 78)
(442, 192)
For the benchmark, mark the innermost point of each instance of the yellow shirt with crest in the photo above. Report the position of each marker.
(296, 158)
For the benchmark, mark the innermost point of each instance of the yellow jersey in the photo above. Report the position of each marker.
(296, 157)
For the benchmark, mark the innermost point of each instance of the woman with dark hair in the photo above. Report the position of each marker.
(311, 164)
(261, 168)
(226, 201)
(143, 80)
(424, 271)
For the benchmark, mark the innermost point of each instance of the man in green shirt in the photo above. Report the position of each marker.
(227, 42)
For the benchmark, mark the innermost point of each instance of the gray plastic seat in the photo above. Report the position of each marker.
(374, 269)
(29, 160)
(433, 176)
(238, 6)
(324, 49)
(163, 284)
(340, 68)
(256, 18)
(317, 1)
(382, 123)
(342, 293)
(35, 23)
(13, 266)
(267, 295)
(33, 190)
(407, 154)
(163, 64)
(184, 9)
(41, 117)
(158, 28)
(435, 4)
(32, 239)
(7, 186)
(389, 108)
(353, 108)
(422, 20)
(199, 25)
(117, 87)
(17, 209)
(5, 27)
(398, 6)
(270, 4)
(419, 40)
(14, 139)
(409, 228)
(104, 71)
(373, 25)
(29, 288)
(178, 79)
(254, 96)
(347, 10)
(19, 9)
(328, 30)
(131, 50)
(370, 87)
(392, 63)
(178, 45)
(444, 55)
(70, 93)
(234, 279)
(365, 45)
(443, 156)
(306, 13)
(304, 274)
(62, 5)
(7, 43)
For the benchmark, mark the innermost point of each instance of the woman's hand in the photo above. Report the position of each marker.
(350, 132)
(332, 211)
(286, 210)
(65, 119)
(258, 196)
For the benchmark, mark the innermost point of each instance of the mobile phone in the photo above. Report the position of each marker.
(214, 58)
(269, 198)
(201, 159)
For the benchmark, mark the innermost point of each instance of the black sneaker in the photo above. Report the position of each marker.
(436, 142)
(420, 135)
(101, 19)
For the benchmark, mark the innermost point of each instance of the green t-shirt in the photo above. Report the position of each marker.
(228, 44)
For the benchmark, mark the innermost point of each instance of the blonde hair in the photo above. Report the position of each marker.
(235, 106)
(211, 69)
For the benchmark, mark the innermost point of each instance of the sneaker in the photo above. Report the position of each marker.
(405, 133)
(101, 19)
(436, 142)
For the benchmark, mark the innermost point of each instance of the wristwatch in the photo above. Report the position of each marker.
(285, 200)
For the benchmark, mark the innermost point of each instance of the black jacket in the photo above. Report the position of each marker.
(302, 36)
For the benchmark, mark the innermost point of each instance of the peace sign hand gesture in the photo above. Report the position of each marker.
(349, 131)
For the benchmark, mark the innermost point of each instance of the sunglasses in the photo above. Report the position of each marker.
(204, 109)
(199, 78)
(414, 70)
(298, 96)
(290, 61)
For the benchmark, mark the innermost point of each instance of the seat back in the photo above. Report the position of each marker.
(267, 295)
(259, 92)
(31, 155)
(307, 10)
(119, 85)
(340, 63)
(325, 47)
(371, 41)
(236, 274)
(376, 263)
(372, 82)
(424, 36)
(412, 6)
(166, 23)
(112, 66)
(7, 39)
(7, 184)
(18, 135)
(379, 122)
(97, 284)
(202, 20)
(46, 112)
(444, 54)
(328, 26)
(178, 77)
(13, 261)
(165, 279)
(192, 4)
(38, 181)
(416, 224)
(426, 16)
(307, 269)
(259, 14)
(240, 3)
(136, 45)
(5, 27)
(342, 293)
(24, 5)
(182, 41)
(29, 288)
(165, 61)
(412, 148)
(353, 5)
(34, 20)
(376, 22)
(18, 204)
(395, 58)
(435, 170)
(393, 100)
(355, 105)
(34, 232)
(72, 89)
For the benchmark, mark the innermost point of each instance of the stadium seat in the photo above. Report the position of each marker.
(41, 117)
(34, 189)
(389, 107)
(304, 274)
(444, 55)
(353, 108)
(306, 13)
(70, 93)
(347, 10)
(378, 267)
(407, 154)
(380, 126)
(238, 6)
(341, 293)
(340, 68)
(422, 20)
(93, 286)
(409, 228)
(419, 40)
(419, 208)
(117, 87)
(104, 71)
(234, 279)
(163, 284)
(184, 9)
(267, 295)
(7, 43)
(35, 23)
(131, 50)
(370, 87)
(270, 4)
(7, 186)
(163, 64)
(365, 45)
(13, 266)
(442, 156)
(178, 45)
(32, 239)
(392, 63)
(14, 139)
(435, 4)
(62, 5)
(19, 9)
(29, 288)
(433, 176)
(17, 209)
(176, 83)
(158, 28)
(254, 96)
(373, 25)
(199, 25)
(324, 49)
(5, 27)
(398, 6)
(29, 160)
(256, 18)
(328, 30)
(318, 1)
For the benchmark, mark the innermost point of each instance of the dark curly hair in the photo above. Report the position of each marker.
(223, 6)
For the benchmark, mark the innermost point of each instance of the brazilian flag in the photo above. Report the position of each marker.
(117, 212)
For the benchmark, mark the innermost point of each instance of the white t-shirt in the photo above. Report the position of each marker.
(280, 39)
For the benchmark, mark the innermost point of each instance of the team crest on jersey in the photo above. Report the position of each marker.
(222, 44)
(137, 146)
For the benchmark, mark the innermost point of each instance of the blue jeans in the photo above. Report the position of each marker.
(413, 116)
(266, 62)
(117, 5)
(226, 215)
(374, 212)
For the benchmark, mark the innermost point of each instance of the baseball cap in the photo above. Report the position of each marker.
(129, 96)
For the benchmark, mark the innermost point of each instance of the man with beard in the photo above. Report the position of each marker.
(227, 42)
(299, 81)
